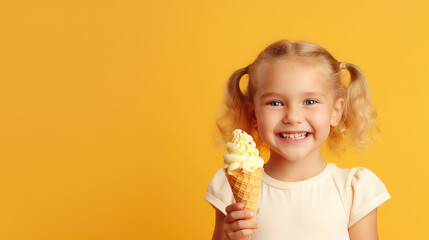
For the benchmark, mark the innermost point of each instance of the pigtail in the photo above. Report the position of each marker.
(236, 115)
(359, 118)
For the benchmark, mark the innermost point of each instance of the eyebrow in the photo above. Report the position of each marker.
(268, 94)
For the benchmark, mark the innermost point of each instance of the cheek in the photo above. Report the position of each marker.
(266, 119)
(321, 121)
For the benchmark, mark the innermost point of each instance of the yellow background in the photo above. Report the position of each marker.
(108, 107)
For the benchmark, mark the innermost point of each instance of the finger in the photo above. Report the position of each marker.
(243, 224)
(238, 215)
(241, 234)
(233, 207)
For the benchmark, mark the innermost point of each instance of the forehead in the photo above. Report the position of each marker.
(294, 75)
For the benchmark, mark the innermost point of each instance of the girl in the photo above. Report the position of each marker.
(294, 102)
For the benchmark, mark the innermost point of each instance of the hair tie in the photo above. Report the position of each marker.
(342, 65)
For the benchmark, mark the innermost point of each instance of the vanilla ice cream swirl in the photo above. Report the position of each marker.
(242, 156)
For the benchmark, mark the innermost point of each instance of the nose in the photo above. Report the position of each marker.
(293, 115)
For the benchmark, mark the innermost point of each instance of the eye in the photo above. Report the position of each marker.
(310, 102)
(274, 103)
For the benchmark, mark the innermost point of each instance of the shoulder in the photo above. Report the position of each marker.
(339, 176)
(360, 177)
(219, 193)
(339, 173)
(353, 176)
(365, 192)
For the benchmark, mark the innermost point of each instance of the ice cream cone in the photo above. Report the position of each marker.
(246, 187)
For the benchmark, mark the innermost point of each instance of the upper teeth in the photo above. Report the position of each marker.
(293, 136)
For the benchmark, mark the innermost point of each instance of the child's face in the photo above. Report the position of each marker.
(293, 96)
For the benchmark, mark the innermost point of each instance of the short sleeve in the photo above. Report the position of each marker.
(365, 192)
(219, 192)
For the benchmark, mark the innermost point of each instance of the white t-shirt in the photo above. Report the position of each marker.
(321, 207)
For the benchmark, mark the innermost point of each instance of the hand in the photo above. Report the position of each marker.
(236, 225)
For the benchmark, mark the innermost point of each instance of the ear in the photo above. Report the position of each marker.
(252, 114)
(337, 112)
(254, 122)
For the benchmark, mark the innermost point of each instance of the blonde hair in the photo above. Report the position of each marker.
(357, 122)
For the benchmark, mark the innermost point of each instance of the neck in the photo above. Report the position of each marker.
(286, 170)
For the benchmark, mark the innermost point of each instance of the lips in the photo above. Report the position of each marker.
(293, 136)
(293, 132)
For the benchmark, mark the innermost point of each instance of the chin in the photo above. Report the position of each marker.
(293, 157)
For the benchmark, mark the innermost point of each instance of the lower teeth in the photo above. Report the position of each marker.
(289, 138)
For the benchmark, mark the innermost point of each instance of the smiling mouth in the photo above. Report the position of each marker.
(295, 136)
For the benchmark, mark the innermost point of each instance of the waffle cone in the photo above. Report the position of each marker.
(246, 188)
